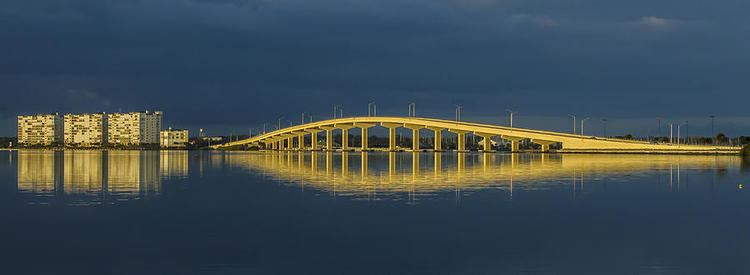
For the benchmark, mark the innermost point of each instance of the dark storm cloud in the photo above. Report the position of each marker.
(232, 61)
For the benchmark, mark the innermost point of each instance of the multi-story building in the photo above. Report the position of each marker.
(40, 130)
(174, 138)
(85, 130)
(134, 129)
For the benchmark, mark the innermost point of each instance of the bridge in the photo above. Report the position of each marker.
(284, 139)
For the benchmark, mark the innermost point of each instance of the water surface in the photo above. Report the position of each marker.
(177, 212)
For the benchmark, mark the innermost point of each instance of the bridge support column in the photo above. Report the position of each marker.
(514, 141)
(329, 137)
(300, 139)
(273, 145)
(544, 143)
(313, 138)
(290, 143)
(344, 135)
(438, 142)
(461, 139)
(414, 136)
(391, 134)
(365, 133)
(486, 142)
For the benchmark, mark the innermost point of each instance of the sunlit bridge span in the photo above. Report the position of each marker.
(293, 137)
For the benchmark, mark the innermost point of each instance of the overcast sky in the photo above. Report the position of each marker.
(227, 65)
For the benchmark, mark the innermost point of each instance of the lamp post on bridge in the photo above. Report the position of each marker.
(671, 125)
(582, 121)
(279, 128)
(573, 118)
(511, 116)
(412, 109)
(458, 112)
(340, 111)
(678, 133)
(713, 134)
(372, 109)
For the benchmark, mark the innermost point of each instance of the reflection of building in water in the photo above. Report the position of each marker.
(174, 164)
(38, 171)
(97, 175)
(84, 172)
(133, 173)
(391, 174)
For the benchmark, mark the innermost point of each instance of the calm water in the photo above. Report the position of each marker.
(130, 212)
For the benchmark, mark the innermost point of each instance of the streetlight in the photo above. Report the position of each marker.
(658, 126)
(511, 116)
(303, 117)
(582, 121)
(458, 112)
(713, 134)
(412, 109)
(574, 123)
(280, 123)
(374, 108)
(678, 133)
(671, 140)
(264, 128)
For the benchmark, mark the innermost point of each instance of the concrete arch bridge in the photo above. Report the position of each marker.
(283, 139)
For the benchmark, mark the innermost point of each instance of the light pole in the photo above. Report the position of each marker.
(458, 112)
(604, 124)
(687, 132)
(279, 128)
(713, 134)
(303, 117)
(678, 133)
(374, 108)
(658, 127)
(264, 128)
(574, 123)
(671, 140)
(511, 116)
(412, 109)
(582, 121)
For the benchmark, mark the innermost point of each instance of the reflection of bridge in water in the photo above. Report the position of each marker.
(383, 174)
(97, 176)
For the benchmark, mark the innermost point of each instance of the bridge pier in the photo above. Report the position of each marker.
(514, 141)
(365, 133)
(344, 135)
(414, 136)
(300, 139)
(438, 142)
(461, 139)
(329, 137)
(544, 143)
(290, 142)
(313, 138)
(486, 142)
(391, 134)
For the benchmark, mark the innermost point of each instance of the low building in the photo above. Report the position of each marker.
(85, 130)
(134, 129)
(174, 138)
(40, 130)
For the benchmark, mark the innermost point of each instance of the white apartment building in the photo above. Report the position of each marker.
(174, 138)
(40, 130)
(85, 130)
(134, 129)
